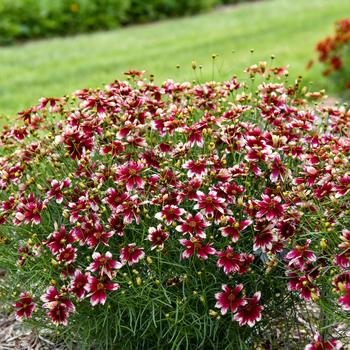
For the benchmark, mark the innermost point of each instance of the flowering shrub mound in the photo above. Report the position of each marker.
(334, 53)
(201, 216)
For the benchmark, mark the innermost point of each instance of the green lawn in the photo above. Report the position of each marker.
(288, 29)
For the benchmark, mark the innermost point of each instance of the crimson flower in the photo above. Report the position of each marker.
(97, 288)
(23, 253)
(195, 246)
(303, 285)
(340, 280)
(250, 313)
(151, 159)
(264, 238)
(58, 240)
(59, 306)
(343, 259)
(170, 213)
(67, 255)
(56, 189)
(310, 175)
(189, 190)
(104, 264)
(59, 314)
(286, 228)
(230, 299)
(129, 208)
(233, 228)
(300, 256)
(209, 203)
(79, 284)
(77, 142)
(319, 344)
(344, 300)
(234, 262)
(55, 104)
(193, 225)
(195, 135)
(278, 170)
(53, 297)
(28, 211)
(76, 209)
(113, 198)
(196, 167)
(130, 175)
(269, 207)
(114, 148)
(157, 237)
(131, 254)
(343, 187)
(25, 306)
(99, 236)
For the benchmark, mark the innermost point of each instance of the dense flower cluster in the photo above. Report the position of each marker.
(240, 190)
(333, 52)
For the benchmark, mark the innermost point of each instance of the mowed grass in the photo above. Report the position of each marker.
(288, 29)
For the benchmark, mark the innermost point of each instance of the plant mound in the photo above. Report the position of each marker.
(196, 215)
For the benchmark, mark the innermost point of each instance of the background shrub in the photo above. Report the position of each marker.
(145, 11)
(26, 19)
(334, 53)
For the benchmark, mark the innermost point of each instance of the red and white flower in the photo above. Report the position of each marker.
(79, 284)
(170, 213)
(157, 236)
(344, 300)
(130, 174)
(195, 246)
(230, 299)
(210, 203)
(128, 208)
(343, 186)
(233, 228)
(196, 168)
(304, 285)
(270, 207)
(250, 313)
(301, 255)
(57, 188)
(98, 287)
(29, 210)
(58, 240)
(67, 255)
(24, 306)
(193, 225)
(104, 264)
(131, 254)
(320, 344)
(99, 235)
(232, 262)
(60, 307)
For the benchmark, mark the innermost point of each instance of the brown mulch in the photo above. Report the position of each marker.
(15, 336)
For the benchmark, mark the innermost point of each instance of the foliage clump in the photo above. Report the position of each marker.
(30, 19)
(334, 54)
(196, 215)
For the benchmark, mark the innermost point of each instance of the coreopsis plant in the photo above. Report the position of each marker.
(334, 53)
(197, 215)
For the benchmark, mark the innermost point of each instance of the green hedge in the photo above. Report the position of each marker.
(24, 19)
(145, 11)
(27, 19)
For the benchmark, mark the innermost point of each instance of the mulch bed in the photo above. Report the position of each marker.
(15, 336)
